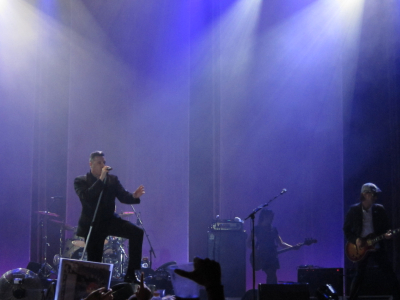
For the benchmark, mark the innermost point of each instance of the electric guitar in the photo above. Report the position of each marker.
(261, 258)
(356, 254)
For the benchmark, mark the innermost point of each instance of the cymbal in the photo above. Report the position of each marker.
(61, 223)
(126, 214)
(47, 214)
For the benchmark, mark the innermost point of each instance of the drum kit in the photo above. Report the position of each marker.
(72, 248)
(113, 252)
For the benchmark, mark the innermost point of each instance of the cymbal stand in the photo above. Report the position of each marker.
(45, 269)
(140, 224)
(62, 229)
(123, 257)
(61, 239)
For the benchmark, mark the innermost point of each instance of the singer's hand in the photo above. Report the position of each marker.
(139, 192)
(104, 172)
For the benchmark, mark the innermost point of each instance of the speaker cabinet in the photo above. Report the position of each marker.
(319, 277)
(375, 282)
(229, 249)
(283, 292)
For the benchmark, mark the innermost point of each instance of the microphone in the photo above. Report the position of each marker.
(105, 178)
(283, 191)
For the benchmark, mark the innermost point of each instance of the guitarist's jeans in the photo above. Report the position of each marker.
(380, 258)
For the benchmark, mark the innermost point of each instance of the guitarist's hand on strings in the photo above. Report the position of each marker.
(388, 234)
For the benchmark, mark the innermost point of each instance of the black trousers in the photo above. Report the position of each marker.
(381, 259)
(121, 228)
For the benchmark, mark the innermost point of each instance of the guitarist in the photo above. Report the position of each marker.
(361, 220)
(266, 241)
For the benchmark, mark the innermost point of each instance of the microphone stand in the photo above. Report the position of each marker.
(253, 254)
(94, 218)
(140, 223)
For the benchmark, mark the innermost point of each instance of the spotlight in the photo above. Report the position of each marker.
(326, 292)
(20, 284)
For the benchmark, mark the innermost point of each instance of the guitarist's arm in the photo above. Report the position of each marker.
(349, 225)
(283, 244)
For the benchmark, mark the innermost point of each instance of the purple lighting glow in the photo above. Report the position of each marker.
(214, 106)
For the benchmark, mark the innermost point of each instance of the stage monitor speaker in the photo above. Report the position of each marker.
(319, 277)
(283, 292)
(375, 282)
(229, 249)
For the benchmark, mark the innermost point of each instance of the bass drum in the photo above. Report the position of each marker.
(117, 259)
(111, 256)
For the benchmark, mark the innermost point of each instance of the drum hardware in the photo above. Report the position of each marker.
(145, 263)
(46, 269)
(114, 253)
(126, 214)
(161, 278)
(63, 226)
(139, 223)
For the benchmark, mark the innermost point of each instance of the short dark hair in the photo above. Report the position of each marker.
(94, 154)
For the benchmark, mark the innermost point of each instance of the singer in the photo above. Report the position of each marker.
(88, 188)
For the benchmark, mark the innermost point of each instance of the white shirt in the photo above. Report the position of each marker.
(368, 226)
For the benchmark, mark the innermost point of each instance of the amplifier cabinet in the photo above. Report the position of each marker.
(229, 249)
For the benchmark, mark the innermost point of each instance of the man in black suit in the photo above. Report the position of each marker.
(366, 218)
(89, 187)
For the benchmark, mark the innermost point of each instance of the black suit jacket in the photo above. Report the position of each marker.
(88, 189)
(353, 223)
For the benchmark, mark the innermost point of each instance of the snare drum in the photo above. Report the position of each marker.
(70, 247)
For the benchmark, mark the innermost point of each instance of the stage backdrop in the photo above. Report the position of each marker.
(214, 106)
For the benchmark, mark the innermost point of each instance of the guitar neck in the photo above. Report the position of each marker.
(381, 237)
(288, 249)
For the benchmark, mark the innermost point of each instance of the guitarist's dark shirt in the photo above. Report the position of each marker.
(267, 246)
(354, 221)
